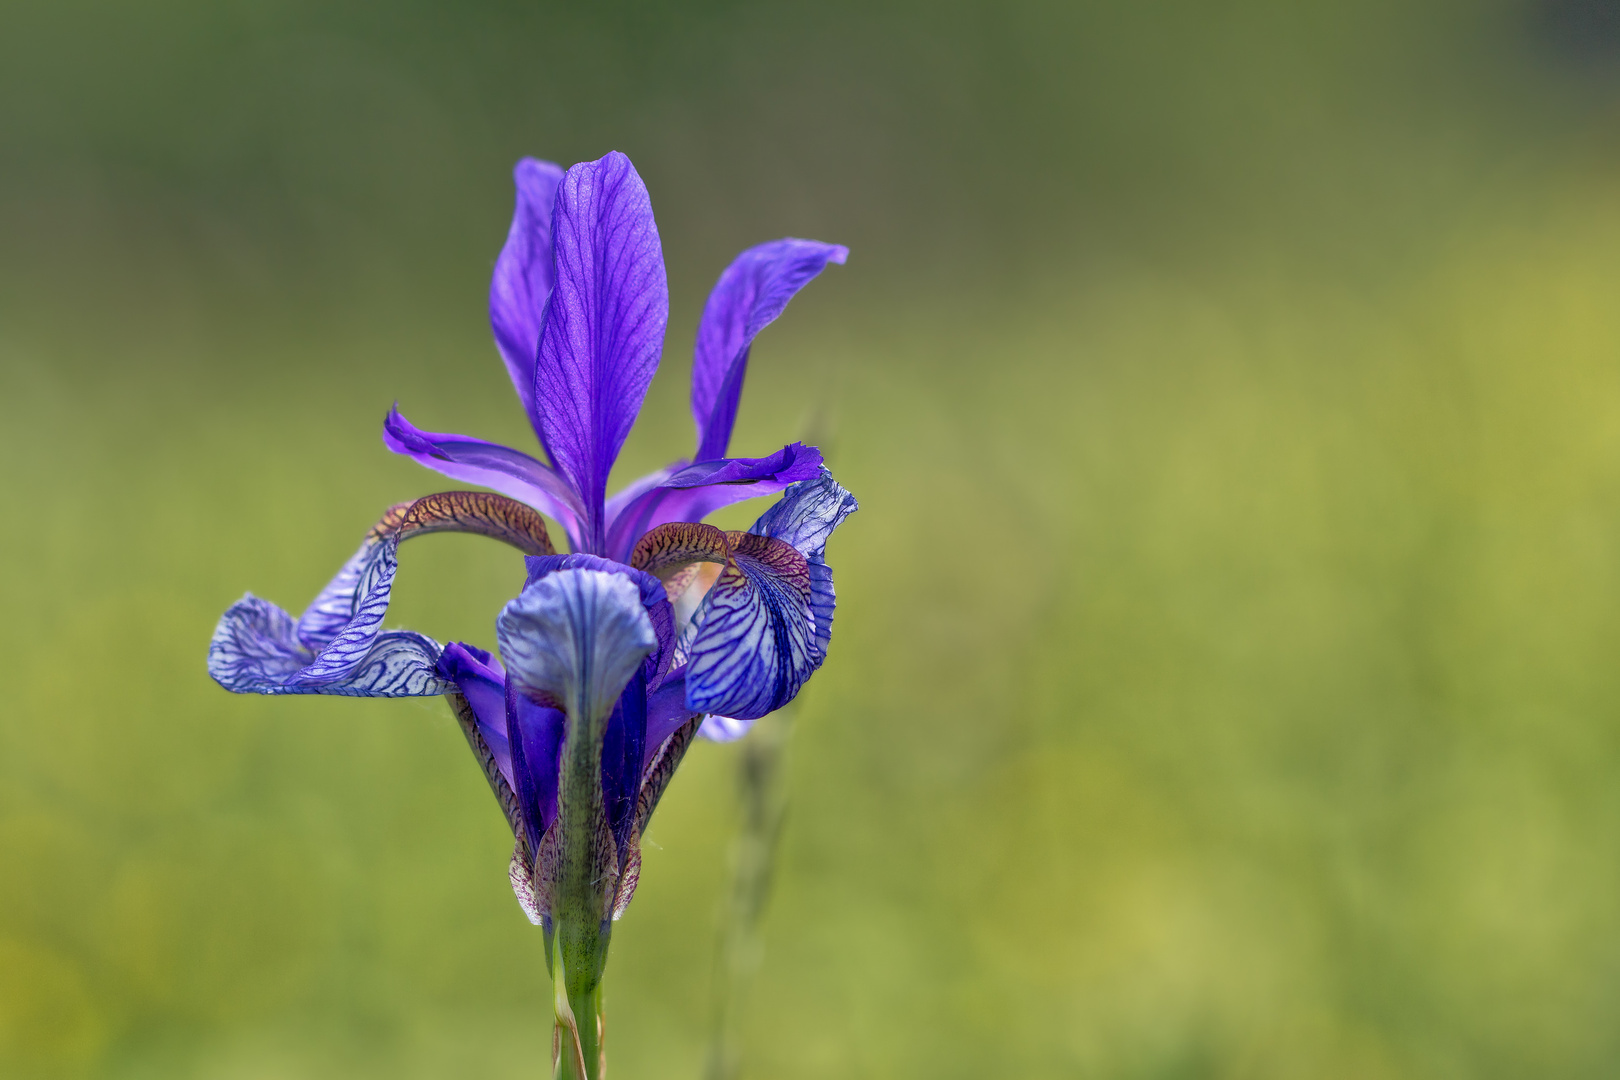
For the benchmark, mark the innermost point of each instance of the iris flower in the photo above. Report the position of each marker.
(655, 627)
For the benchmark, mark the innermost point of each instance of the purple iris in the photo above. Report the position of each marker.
(656, 625)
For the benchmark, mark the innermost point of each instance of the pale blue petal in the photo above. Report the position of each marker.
(723, 728)
(576, 637)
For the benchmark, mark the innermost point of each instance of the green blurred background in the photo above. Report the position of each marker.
(1224, 681)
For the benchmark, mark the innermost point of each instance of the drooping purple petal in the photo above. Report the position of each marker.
(805, 517)
(604, 330)
(623, 749)
(483, 683)
(333, 607)
(534, 732)
(666, 712)
(751, 645)
(750, 294)
(521, 286)
(474, 461)
(698, 490)
(338, 646)
(257, 648)
(753, 638)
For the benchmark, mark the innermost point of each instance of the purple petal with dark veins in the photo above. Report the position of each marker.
(604, 330)
(760, 633)
(483, 683)
(750, 294)
(805, 517)
(474, 461)
(257, 647)
(521, 286)
(333, 608)
(535, 735)
(753, 638)
(698, 490)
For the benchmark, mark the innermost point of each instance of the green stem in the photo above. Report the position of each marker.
(578, 1041)
(585, 872)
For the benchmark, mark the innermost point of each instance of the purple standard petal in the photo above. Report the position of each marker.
(698, 490)
(604, 329)
(521, 286)
(474, 461)
(257, 647)
(750, 294)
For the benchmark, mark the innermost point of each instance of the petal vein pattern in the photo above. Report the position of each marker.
(604, 329)
(805, 517)
(574, 638)
(521, 286)
(752, 640)
(338, 646)
(751, 645)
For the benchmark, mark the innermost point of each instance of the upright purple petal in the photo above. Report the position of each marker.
(604, 329)
(699, 490)
(474, 461)
(750, 294)
(521, 286)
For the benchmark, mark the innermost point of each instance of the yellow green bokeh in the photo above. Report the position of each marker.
(1224, 681)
